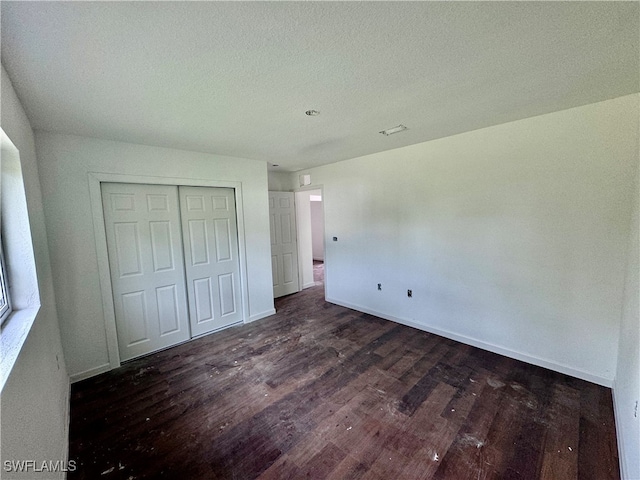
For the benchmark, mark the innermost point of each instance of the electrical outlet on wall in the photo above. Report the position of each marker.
(410, 293)
(379, 286)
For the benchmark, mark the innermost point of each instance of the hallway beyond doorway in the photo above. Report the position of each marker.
(318, 272)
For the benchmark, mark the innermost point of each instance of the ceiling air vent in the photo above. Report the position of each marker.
(391, 131)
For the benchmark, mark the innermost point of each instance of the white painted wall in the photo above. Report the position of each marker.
(65, 162)
(317, 230)
(513, 238)
(627, 382)
(35, 398)
(279, 182)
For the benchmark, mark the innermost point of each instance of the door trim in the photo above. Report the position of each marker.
(100, 236)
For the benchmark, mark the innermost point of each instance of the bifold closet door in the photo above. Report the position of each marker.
(211, 257)
(144, 242)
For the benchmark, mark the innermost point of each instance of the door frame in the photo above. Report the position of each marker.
(100, 235)
(324, 227)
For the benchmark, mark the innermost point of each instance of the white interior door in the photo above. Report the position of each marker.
(211, 257)
(147, 272)
(284, 248)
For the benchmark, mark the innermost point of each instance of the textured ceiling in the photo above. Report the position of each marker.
(235, 78)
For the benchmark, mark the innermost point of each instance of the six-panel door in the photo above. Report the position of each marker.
(211, 257)
(284, 245)
(147, 271)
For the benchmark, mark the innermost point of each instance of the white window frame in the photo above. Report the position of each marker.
(5, 310)
(22, 279)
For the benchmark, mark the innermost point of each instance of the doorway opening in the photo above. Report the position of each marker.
(310, 228)
(317, 235)
(318, 272)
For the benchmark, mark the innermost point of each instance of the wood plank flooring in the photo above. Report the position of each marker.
(320, 391)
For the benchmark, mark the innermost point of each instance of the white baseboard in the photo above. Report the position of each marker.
(474, 342)
(92, 372)
(617, 414)
(308, 285)
(67, 425)
(627, 456)
(260, 316)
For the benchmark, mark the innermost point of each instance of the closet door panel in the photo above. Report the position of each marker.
(144, 242)
(210, 232)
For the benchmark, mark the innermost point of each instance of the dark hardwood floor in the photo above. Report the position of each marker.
(320, 391)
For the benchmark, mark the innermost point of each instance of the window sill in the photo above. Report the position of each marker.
(15, 331)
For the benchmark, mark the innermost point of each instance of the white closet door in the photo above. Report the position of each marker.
(284, 245)
(147, 270)
(211, 257)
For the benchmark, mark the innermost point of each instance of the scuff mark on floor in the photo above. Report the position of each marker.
(495, 383)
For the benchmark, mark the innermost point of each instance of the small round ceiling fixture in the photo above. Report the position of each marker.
(312, 113)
